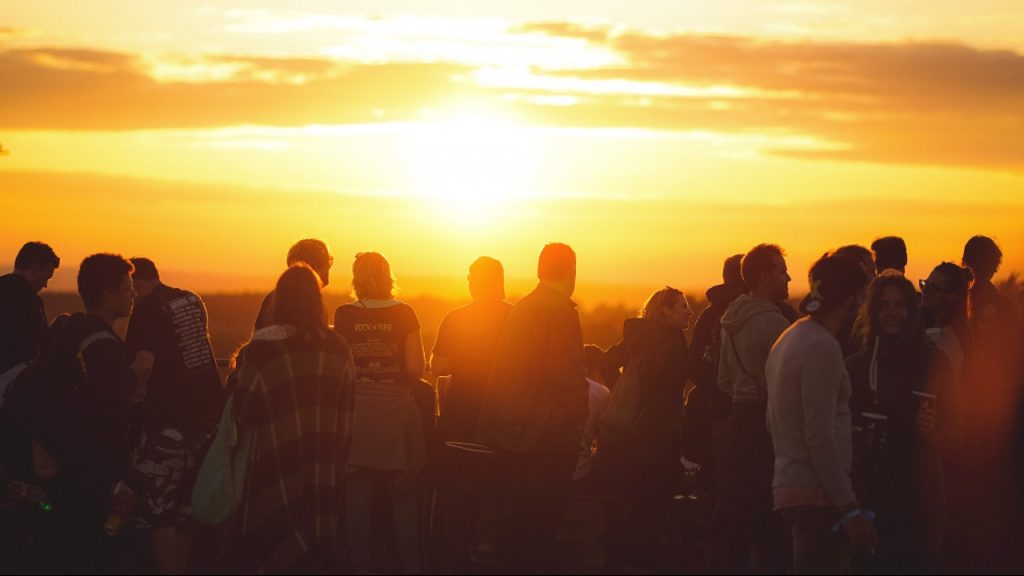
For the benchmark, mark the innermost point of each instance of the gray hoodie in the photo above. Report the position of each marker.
(750, 326)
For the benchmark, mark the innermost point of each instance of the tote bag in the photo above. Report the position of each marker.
(220, 482)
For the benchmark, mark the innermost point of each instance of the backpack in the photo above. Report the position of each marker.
(43, 406)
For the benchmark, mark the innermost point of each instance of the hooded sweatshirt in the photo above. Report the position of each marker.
(701, 362)
(750, 326)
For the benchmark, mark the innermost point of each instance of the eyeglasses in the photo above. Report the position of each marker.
(927, 286)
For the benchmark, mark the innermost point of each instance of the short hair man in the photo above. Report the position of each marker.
(890, 254)
(180, 396)
(310, 251)
(22, 315)
(809, 419)
(466, 342)
(750, 326)
(464, 352)
(534, 410)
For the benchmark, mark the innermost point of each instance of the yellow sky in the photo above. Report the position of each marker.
(656, 140)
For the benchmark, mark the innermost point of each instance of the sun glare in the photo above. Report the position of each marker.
(470, 168)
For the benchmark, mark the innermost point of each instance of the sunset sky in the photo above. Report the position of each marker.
(654, 137)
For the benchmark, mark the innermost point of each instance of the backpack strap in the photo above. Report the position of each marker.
(93, 338)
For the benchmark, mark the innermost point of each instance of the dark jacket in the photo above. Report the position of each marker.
(22, 321)
(657, 353)
(78, 412)
(899, 473)
(536, 398)
(702, 358)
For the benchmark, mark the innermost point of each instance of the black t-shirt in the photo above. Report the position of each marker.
(377, 337)
(184, 385)
(22, 321)
(469, 337)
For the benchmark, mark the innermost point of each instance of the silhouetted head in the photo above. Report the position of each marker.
(105, 285)
(890, 254)
(764, 272)
(486, 280)
(557, 267)
(298, 301)
(944, 294)
(837, 283)
(891, 310)
(732, 273)
(145, 277)
(36, 262)
(862, 255)
(668, 305)
(982, 255)
(593, 353)
(315, 253)
(371, 277)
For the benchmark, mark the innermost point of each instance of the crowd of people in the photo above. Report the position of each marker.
(873, 428)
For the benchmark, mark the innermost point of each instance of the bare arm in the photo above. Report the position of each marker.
(440, 365)
(414, 362)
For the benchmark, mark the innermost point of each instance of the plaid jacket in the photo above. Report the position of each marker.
(295, 393)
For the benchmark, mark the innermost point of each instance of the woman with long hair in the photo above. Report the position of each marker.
(295, 396)
(903, 403)
(388, 450)
(638, 434)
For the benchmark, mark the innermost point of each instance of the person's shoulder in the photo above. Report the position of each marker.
(346, 310)
(14, 286)
(173, 293)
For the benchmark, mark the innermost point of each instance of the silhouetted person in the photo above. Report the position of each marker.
(72, 402)
(464, 349)
(944, 302)
(702, 368)
(534, 410)
(744, 522)
(897, 458)
(22, 316)
(179, 398)
(639, 428)
(295, 397)
(990, 395)
(890, 254)
(309, 251)
(387, 436)
(809, 421)
(991, 311)
(22, 328)
(849, 338)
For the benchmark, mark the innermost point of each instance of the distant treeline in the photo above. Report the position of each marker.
(232, 316)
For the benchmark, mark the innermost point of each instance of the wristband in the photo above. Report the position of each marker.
(851, 515)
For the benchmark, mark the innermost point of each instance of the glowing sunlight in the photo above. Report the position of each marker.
(470, 167)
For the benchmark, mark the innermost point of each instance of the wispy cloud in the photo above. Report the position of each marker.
(908, 103)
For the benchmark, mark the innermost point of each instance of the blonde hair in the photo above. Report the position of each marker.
(371, 277)
(655, 306)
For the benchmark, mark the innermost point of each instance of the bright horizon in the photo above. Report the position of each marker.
(655, 138)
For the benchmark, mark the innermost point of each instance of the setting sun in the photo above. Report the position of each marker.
(470, 167)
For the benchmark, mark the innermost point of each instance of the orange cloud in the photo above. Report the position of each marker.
(910, 103)
(95, 90)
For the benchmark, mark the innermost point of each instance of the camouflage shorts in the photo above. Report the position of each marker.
(163, 472)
